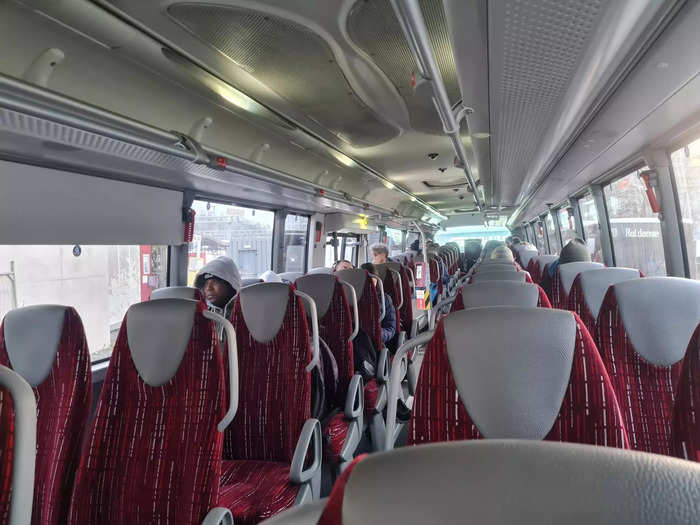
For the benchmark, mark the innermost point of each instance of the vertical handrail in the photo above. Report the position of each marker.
(355, 309)
(232, 344)
(315, 345)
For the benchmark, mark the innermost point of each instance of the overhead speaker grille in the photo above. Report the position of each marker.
(535, 48)
(373, 26)
(292, 61)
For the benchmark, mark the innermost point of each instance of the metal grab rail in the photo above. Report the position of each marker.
(315, 345)
(232, 367)
(355, 309)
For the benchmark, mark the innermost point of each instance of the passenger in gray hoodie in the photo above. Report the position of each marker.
(219, 281)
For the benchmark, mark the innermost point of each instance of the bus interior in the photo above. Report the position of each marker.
(457, 241)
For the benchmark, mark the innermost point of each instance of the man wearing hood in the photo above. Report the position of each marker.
(219, 281)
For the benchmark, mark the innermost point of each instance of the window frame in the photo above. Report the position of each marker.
(307, 238)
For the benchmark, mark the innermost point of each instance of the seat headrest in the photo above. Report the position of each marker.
(320, 287)
(252, 280)
(525, 482)
(499, 276)
(500, 293)
(290, 277)
(381, 270)
(659, 315)
(355, 277)
(177, 292)
(546, 259)
(264, 306)
(486, 268)
(513, 393)
(569, 271)
(595, 283)
(319, 269)
(392, 265)
(158, 333)
(527, 255)
(32, 335)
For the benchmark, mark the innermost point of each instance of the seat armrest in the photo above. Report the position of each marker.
(355, 401)
(383, 366)
(218, 516)
(310, 437)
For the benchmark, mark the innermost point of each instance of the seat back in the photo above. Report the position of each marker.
(686, 424)
(17, 447)
(178, 292)
(589, 288)
(507, 275)
(553, 386)
(335, 328)
(367, 302)
(512, 482)
(46, 345)
(496, 267)
(644, 328)
(154, 452)
(274, 351)
(526, 256)
(406, 310)
(290, 277)
(500, 293)
(539, 266)
(392, 287)
(564, 276)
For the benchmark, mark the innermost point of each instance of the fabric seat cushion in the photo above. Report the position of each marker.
(686, 421)
(335, 432)
(255, 490)
(63, 407)
(371, 395)
(589, 412)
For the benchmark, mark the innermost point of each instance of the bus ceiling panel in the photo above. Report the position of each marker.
(46, 206)
(657, 101)
(550, 65)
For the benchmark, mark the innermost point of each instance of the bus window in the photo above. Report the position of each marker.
(552, 235)
(296, 234)
(540, 241)
(686, 169)
(393, 241)
(634, 227)
(332, 251)
(244, 234)
(591, 228)
(99, 281)
(566, 225)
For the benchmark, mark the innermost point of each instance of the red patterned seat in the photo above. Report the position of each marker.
(474, 384)
(539, 266)
(435, 276)
(500, 293)
(153, 454)
(343, 430)
(406, 310)
(686, 420)
(46, 345)
(369, 310)
(563, 279)
(273, 423)
(589, 288)
(644, 328)
(18, 427)
(392, 288)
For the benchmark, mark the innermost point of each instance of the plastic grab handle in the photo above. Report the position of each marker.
(232, 367)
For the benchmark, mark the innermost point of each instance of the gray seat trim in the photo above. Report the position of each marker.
(569, 271)
(320, 287)
(659, 315)
(319, 269)
(355, 277)
(595, 283)
(264, 306)
(499, 267)
(159, 333)
(500, 293)
(499, 276)
(511, 367)
(507, 482)
(290, 276)
(526, 256)
(546, 259)
(174, 292)
(32, 336)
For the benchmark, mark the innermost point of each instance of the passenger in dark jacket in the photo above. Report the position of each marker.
(574, 251)
(389, 321)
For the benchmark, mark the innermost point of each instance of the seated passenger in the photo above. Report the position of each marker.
(380, 253)
(389, 321)
(219, 281)
(574, 251)
(502, 253)
(342, 264)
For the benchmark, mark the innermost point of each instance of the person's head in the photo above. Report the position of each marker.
(342, 264)
(415, 245)
(219, 281)
(502, 253)
(515, 240)
(574, 251)
(370, 268)
(379, 253)
(509, 240)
